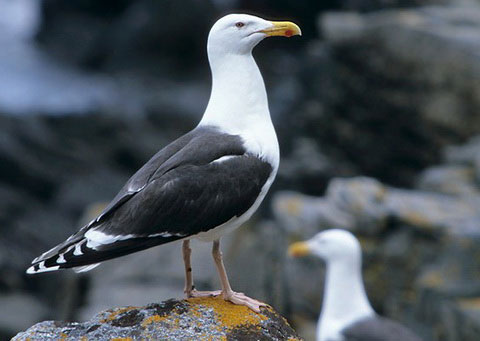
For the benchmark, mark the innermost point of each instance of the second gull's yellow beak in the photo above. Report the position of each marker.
(282, 28)
(299, 249)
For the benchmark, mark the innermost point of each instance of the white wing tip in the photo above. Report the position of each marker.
(31, 270)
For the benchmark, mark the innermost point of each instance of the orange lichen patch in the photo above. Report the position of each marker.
(293, 206)
(229, 315)
(381, 193)
(153, 319)
(63, 336)
(221, 338)
(418, 219)
(466, 242)
(122, 339)
(114, 314)
(472, 303)
(432, 279)
(411, 296)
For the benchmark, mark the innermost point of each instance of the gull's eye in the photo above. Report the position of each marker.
(239, 24)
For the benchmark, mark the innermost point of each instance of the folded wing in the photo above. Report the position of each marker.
(195, 184)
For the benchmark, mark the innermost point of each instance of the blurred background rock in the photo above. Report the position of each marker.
(376, 108)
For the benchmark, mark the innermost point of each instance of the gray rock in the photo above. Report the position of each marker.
(432, 237)
(467, 154)
(19, 311)
(449, 179)
(32, 82)
(305, 166)
(381, 78)
(201, 319)
(448, 289)
(20, 19)
(465, 320)
(342, 26)
(366, 205)
(303, 215)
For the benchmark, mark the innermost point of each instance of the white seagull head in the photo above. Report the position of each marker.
(240, 33)
(332, 246)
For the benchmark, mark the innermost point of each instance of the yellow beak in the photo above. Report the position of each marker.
(299, 249)
(282, 28)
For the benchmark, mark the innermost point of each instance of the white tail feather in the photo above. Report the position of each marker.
(42, 268)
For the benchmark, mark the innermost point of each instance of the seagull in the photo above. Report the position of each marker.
(346, 312)
(204, 184)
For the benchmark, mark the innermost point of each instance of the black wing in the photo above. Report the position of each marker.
(378, 329)
(180, 192)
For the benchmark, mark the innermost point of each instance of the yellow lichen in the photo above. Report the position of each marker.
(63, 336)
(472, 303)
(418, 219)
(229, 315)
(293, 206)
(432, 279)
(121, 339)
(153, 319)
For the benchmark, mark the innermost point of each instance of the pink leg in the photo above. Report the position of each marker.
(189, 287)
(227, 293)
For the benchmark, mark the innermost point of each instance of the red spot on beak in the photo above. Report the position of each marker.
(288, 33)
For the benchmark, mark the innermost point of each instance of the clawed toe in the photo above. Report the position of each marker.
(242, 299)
(194, 293)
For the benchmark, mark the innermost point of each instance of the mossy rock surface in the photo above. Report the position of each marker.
(192, 319)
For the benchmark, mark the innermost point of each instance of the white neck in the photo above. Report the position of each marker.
(238, 103)
(238, 93)
(344, 300)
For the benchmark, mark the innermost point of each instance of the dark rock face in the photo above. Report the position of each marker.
(68, 162)
(113, 34)
(391, 88)
(201, 318)
(52, 170)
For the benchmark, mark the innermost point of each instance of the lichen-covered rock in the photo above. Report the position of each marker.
(449, 179)
(197, 318)
(461, 173)
(369, 206)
